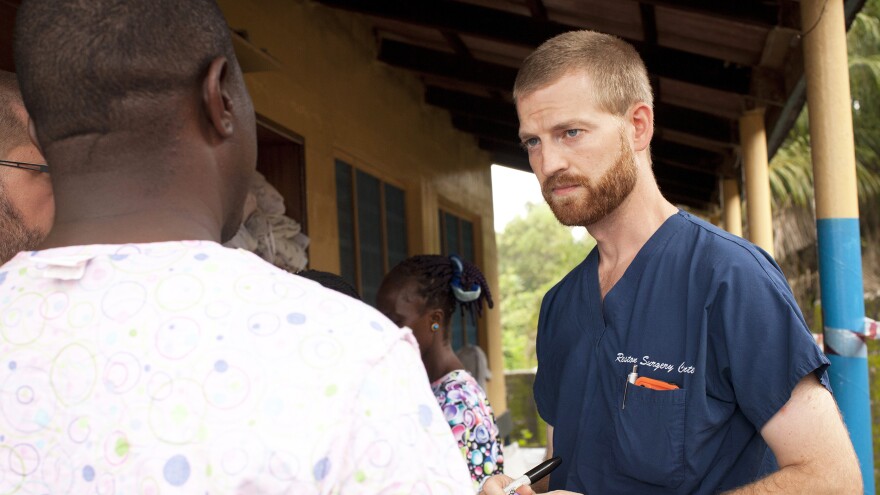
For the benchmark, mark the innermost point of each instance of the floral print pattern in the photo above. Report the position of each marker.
(467, 410)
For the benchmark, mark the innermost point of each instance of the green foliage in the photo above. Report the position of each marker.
(524, 437)
(873, 372)
(529, 430)
(791, 171)
(534, 253)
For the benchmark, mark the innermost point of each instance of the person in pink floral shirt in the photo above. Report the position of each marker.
(422, 293)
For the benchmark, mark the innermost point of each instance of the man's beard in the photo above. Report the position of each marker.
(15, 236)
(596, 201)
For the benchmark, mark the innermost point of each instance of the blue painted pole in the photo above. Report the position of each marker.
(843, 305)
(837, 220)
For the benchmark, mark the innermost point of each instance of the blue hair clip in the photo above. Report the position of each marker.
(462, 295)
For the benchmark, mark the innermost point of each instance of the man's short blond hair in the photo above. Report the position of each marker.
(618, 73)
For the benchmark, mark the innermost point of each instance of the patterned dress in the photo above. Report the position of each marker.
(468, 413)
(187, 368)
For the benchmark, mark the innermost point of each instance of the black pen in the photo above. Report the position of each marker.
(533, 475)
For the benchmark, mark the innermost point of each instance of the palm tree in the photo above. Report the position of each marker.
(791, 170)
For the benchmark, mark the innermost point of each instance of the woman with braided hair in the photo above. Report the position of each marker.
(422, 293)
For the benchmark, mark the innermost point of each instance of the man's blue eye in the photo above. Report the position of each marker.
(530, 143)
(572, 132)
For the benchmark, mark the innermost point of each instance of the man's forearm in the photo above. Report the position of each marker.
(801, 479)
(811, 445)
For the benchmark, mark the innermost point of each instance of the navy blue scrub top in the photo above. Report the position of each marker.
(697, 307)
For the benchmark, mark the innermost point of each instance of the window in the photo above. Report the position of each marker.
(457, 237)
(372, 228)
(281, 159)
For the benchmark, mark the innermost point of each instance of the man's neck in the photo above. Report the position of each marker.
(134, 195)
(153, 225)
(622, 234)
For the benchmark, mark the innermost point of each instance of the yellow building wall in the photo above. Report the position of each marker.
(330, 89)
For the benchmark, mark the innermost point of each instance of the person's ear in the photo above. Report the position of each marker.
(642, 121)
(32, 133)
(217, 99)
(437, 316)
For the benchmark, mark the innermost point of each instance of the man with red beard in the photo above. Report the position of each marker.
(674, 358)
(26, 204)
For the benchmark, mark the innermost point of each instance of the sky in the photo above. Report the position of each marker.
(511, 190)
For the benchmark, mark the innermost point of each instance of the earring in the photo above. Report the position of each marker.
(435, 327)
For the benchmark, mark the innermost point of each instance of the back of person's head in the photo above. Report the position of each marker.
(330, 281)
(615, 68)
(142, 101)
(94, 67)
(13, 131)
(445, 282)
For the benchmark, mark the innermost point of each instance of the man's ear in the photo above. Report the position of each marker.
(32, 133)
(216, 98)
(642, 120)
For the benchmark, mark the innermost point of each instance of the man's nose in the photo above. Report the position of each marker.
(552, 160)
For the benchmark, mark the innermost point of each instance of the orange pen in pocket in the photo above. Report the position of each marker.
(644, 381)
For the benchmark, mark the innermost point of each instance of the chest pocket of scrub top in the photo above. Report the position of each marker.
(649, 441)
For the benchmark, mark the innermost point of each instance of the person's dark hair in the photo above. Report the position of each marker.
(330, 281)
(436, 276)
(13, 132)
(98, 66)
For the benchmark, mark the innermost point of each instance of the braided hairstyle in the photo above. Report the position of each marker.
(443, 286)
